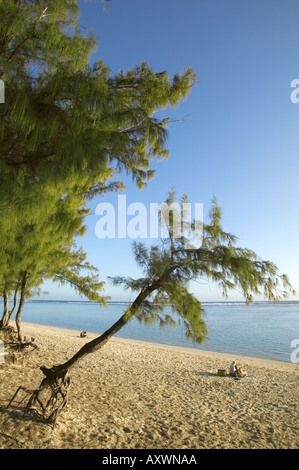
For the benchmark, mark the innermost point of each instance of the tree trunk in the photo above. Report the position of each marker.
(3, 321)
(21, 305)
(51, 397)
(100, 341)
(10, 313)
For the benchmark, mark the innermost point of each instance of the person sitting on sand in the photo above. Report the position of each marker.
(233, 369)
(236, 371)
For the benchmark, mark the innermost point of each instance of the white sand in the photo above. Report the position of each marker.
(132, 395)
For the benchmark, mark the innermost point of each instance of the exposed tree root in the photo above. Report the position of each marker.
(8, 436)
(8, 334)
(15, 350)
(20, 346)
(49, 399)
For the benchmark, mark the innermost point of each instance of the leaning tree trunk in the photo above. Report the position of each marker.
(21, 305)
(3, 321)
(10, 313)
(51, 396)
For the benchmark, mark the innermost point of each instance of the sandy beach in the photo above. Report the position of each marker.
(137, 395)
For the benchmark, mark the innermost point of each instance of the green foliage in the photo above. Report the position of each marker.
(67, 268)
(67, 130)
(169, 267)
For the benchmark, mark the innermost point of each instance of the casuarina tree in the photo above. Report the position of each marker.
(68, 128)
(163, 295)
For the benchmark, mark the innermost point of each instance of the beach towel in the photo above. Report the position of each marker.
(238, 378)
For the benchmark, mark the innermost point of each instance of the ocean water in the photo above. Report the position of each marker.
(263, 330)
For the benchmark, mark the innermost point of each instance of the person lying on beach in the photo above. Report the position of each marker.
(236, 371)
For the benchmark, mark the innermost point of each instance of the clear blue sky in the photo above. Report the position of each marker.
(237, 134)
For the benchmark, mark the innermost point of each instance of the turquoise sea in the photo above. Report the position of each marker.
(263, 330)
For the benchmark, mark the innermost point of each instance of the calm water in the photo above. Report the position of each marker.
(262, 330)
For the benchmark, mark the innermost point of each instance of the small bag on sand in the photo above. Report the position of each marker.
(222, 372)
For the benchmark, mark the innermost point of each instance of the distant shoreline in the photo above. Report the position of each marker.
(204, 302)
